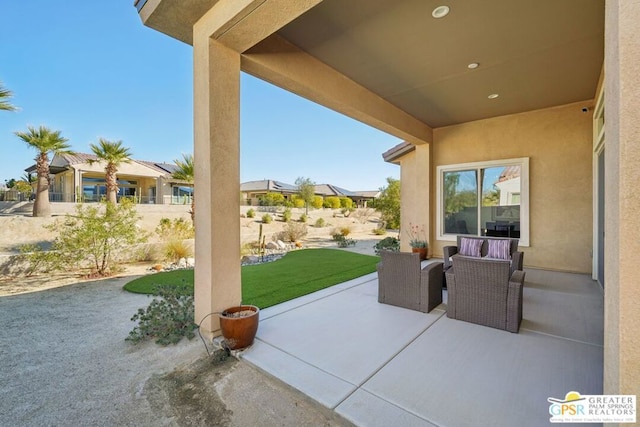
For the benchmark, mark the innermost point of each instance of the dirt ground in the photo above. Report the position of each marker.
(17, 230)
(66, 362)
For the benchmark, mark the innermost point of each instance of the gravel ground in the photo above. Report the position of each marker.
(65, 362)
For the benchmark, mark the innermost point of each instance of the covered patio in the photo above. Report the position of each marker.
(381, 365)
(471, 87)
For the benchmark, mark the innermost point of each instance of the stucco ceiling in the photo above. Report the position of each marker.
(533, 54)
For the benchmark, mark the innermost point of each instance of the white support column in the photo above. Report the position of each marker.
(217, 178)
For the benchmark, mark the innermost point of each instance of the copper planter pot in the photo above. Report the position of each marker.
(238, 326)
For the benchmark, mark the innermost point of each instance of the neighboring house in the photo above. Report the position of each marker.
(509, 186)
(79, 177)
(360, 198)
(252, 191)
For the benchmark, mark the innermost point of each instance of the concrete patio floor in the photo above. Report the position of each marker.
(380, 365)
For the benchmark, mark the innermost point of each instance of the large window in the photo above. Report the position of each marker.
(484, 199)
(182, 195)
(95, 189)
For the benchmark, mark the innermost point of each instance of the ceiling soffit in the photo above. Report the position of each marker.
(533, 54)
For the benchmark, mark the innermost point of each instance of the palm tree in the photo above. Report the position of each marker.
(27, 177)
(113, 154)
(184, 172)
(45, 141)
(5, 94)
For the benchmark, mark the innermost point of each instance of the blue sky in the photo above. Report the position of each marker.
(91, 69)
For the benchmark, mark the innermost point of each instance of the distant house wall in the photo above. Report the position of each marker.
(151, 186)
(558, 142)
(62, 188)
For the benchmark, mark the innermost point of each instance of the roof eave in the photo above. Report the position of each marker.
(394, 154)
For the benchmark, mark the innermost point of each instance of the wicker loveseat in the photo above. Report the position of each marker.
(404, 283)
(484, 291)
(515, 257)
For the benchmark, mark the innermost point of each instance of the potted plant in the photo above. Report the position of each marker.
(418, 240)
(239, 325)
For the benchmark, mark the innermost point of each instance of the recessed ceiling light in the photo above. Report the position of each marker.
(473, 65)
(493, 96)
(440, 12)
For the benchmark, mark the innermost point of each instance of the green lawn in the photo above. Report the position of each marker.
(298, 273)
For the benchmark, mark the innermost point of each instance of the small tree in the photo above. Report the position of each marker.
(113, 154)
(388, 203)
(23, 187)
(44, 141)
(306, 191)
(97, 235)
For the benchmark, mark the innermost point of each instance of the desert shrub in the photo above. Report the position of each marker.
(332, 202)
(266, 218)
(346, 211)
(340, 232)
(168, 318)
(364, 214)
(346, 202)
(379, 231)
(178, 229)
(177, 249)
(317, 202)
(303, 218)
(271, 199)
(297, 201)
(387, 244)
(251, 213)
(37, 260)
(249, 248)
(343, 242)
(286, 215)
(320, 223)
(174, 233)
(96, 235)
(292, 232)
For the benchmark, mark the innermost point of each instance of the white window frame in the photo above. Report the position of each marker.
(523, 162)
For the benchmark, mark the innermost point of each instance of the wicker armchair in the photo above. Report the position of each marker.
(402, 281)
(517, 257)
(484, 291)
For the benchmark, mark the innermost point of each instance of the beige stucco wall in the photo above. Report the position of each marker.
(414, 193)
(622, 198)
(558, 142)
